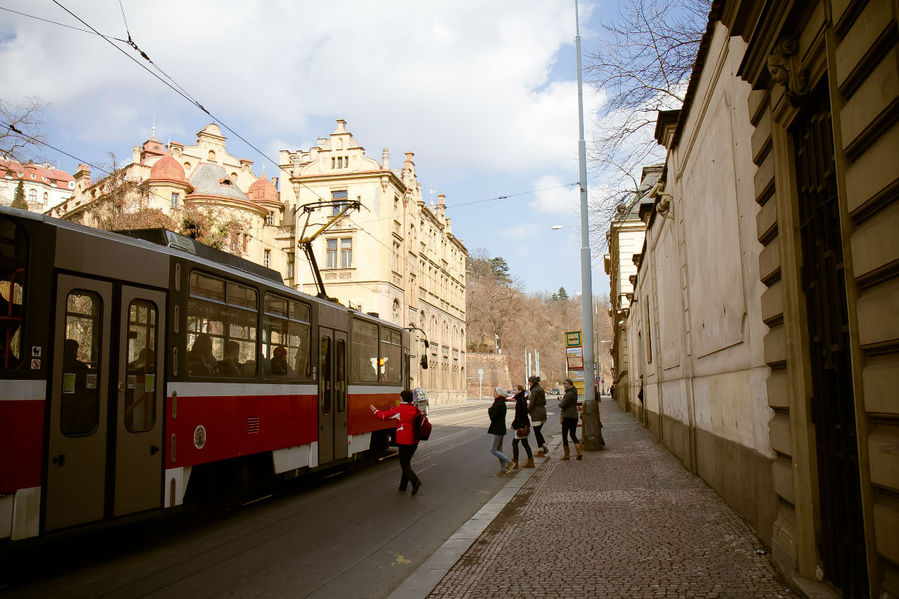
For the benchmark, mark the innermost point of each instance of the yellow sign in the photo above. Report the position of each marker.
(572, 339)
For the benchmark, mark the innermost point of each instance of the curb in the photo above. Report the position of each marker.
(423, 580)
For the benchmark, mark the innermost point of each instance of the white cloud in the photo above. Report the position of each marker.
(552, 196)
(459, 82)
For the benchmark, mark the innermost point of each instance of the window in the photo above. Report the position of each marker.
(140, 392)
(221, 327)
(80, 406)
(331, 261)
(175, 198)
(32, 196)
(340, 162)
(364, 351)
(333, 162)
(337, 196)
(346, 252)
(396, 311)
(389, 361)
(396, 256)
(13, 259)
(267, 258)
(46, 197)
(270, 218)
(211, 156)
(648, 332)
(286, 338)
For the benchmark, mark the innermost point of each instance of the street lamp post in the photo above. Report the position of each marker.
(592, 423)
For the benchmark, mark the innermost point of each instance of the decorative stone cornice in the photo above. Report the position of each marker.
(783, 65)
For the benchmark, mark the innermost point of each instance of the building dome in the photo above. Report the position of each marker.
(168, 169)
(263, 190)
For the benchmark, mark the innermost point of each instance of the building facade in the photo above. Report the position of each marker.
(783, 165)
(625, 242)
(395, 256)
(43, 185)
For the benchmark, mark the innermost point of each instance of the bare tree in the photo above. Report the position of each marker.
(20, 128)
(642, 66)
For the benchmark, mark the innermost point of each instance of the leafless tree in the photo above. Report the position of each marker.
(20, 129)
(642, 65)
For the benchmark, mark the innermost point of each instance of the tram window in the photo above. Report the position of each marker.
(13, 257)
(286, 338)
(80, 405)
(140, 392)
(324, 384)
(340, 375)
(364, 351)
(391, 369)
(221, 327)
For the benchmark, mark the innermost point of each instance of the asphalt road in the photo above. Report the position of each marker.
(350, 534)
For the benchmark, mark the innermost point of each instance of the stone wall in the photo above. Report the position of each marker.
(496, 373)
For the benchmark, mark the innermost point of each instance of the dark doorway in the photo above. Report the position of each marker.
(840, 538)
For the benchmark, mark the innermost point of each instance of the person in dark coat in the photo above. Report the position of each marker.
(406, 440)
(497, 430)
(568, 405)
(521, 424)
(537, 413)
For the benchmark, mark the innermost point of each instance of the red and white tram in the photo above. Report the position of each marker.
(134, 375)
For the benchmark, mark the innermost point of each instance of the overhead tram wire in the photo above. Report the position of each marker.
(118, 39)
(174, 86)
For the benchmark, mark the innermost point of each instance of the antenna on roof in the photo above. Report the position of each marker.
(154, 126)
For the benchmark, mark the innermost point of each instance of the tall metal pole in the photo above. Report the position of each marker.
(593, 440)
(586, 274)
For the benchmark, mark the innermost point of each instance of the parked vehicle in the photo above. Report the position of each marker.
(555, 391)
(422, 402)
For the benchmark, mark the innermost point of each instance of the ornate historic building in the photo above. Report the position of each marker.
(43, 185)
(395, 256)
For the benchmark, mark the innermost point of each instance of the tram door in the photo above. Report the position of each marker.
(332, 396)
(139, 409)
(76, 469)
(80, 473)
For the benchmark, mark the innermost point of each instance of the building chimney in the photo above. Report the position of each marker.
(441, 206)
(385, 159)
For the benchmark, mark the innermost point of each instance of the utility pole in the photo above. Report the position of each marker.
(592, 424)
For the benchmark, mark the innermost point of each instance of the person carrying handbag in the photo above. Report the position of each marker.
(537, 412)
(522, 427)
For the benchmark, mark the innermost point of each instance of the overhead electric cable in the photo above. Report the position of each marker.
(60, 24)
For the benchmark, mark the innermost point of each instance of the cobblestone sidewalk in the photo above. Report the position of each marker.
(627, 522)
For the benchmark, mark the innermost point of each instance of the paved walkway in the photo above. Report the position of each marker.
(627, 522)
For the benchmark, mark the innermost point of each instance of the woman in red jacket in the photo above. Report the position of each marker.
(404, 414)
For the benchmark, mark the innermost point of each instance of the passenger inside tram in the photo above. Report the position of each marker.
(279, 362)
(79, 403)
(230, 364)
(200, 361)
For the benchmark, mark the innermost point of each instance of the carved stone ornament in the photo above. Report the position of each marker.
(783, 65)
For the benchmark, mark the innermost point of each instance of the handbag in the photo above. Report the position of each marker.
(523, 432)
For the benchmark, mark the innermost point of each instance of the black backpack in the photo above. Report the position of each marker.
(422, 426)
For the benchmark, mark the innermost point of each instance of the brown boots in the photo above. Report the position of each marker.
(513, 465)
(579, 450)
(567, 455)
(529, 463)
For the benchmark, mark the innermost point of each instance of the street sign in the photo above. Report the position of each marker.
(572, 339)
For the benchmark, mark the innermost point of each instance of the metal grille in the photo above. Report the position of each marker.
(253, 425)
(841, 540)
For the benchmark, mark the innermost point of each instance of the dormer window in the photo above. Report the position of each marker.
(226, 181)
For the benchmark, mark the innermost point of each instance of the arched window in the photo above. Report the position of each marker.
(46, 197)
(396, 311)
(32, 196)
(211, 157)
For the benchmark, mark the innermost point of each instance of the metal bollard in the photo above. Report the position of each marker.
(593, 440)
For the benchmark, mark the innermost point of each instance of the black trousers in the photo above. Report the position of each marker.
(527, 448)
(406, 453)
(569, 426)
(538, 434)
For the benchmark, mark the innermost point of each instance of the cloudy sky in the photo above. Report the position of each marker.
(484, 93)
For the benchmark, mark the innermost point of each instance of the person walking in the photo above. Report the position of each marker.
(568, 405)
(521, 424)
(497, 430)
(406, 440)
(537, 413)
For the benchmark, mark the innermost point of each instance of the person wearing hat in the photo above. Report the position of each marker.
(568, 405)
(497, 429)
(537, 413)
(406, 440)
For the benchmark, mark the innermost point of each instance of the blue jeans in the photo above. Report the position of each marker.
(496, 448)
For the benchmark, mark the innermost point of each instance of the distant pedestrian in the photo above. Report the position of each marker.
(568, 405)
(521, 424)
(497, 429)
(537, 412)
(406, 441)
